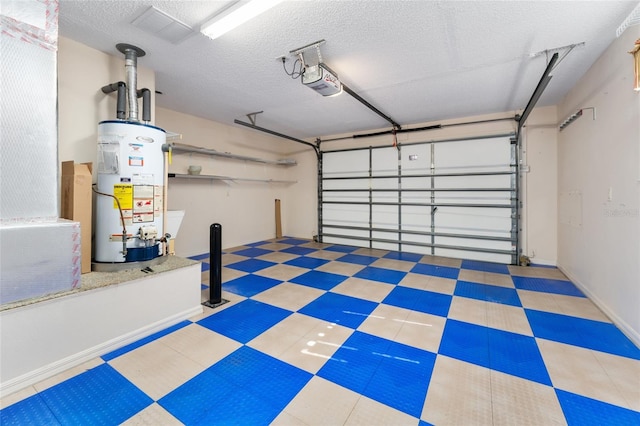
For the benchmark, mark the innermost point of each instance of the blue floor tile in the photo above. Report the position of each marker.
(342, 249)
(436, 271)
(582, 411)
(293, 241)
(199, 256)
(251, 265)
(252, 252)
(204, 267)
(319, 279)
(586, 333)
(545, 285)
(336, 308)
(388, 372)
(488, 293)
(128, 348)
(400, 255)
(245, 388)
(203, 286)
(100, 396)
(298, 250)
(466, 342)
(250, 285)
(259, 243)
(498, 350)
(419, 300)
(306, 262)
(477, 265)
(380, 274)
(245, 320)
(30, 411)
(358, 259)
(517, 355)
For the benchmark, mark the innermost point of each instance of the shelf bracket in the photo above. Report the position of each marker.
(252, 116)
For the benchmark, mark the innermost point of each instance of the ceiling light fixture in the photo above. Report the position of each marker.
(234, 16)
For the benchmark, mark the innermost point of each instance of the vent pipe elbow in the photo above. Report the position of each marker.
(121, 105)
(146, 104)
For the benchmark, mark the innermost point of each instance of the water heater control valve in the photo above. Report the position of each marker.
(147, 233)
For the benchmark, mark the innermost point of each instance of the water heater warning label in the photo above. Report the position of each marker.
(143, 203)
(124, 194)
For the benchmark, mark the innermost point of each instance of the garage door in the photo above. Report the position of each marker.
(454, 198)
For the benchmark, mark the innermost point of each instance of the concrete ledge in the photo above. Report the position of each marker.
(45, 338)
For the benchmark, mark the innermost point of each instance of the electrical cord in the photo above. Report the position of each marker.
(294, 74)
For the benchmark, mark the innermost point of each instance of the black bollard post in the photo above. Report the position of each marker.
(215, 268)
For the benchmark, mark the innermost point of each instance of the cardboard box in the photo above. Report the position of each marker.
(76, 204)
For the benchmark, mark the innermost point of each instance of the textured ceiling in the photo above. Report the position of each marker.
(416, 61)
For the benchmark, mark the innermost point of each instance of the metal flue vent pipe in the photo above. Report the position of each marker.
(131, 55)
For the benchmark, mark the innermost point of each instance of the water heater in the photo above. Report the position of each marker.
(131, 169)
(130, 188)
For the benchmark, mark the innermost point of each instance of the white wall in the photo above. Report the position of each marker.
(599, 189)
(539, 186)
(246, 210)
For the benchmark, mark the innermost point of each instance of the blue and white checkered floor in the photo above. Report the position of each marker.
(329, 335)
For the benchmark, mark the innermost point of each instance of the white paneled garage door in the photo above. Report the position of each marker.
(454, 198)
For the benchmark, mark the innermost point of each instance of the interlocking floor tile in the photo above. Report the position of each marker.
(245, 320)
(293, 241)
(547, 285)
(30, 411)
(259, 243)
(250, 285)
(306, 262)
(299, 250)
(246, 387)
(128, 348)
(477, 265)
(342, 249)
(252, 252)
(391, 373)
(251, 265)
(204, 266)
(600, 336)
(419, 300)
(488, 293)
(98, 396)
(398, 255)
(380, 274)
(319, 279)
(499, 350)
(580, 410)
(199, 256)
(435, 270)
(337, 308)
(358, 259)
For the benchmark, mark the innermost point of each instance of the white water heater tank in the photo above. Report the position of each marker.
(131, 169)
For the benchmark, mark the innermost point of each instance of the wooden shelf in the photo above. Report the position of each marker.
(178, 147)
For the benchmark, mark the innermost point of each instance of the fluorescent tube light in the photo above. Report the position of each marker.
(235, 16)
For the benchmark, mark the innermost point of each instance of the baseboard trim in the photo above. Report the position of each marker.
(544, 262)
(50, 370)
(626, 329)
